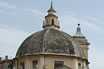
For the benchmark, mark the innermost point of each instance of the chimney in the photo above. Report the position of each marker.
(6, 57)
(0, 58)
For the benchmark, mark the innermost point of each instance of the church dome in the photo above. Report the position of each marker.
(49, 42)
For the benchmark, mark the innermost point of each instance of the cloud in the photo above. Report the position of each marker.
(70, 22)
(34, 11)
(10, 40)
(1, 11)
(96, 57)
(7, 5)
(91, 26)
(7, 8)
(93, 19)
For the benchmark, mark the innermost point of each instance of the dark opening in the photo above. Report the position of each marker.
(22, 65)
(58, 64)
(52, 21)
(35, 63)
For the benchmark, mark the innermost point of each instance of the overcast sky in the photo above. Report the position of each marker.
(20, 18)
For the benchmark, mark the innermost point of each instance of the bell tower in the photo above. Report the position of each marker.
(51, 20)
(84, 44)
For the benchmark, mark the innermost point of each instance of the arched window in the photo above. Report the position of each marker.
(52, 21)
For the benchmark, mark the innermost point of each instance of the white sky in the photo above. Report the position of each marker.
(20, 18)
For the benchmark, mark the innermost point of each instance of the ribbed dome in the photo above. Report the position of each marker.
(50, 41)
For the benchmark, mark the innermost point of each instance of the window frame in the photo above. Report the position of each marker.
(35, 66)
(59, 63)
(22, 64)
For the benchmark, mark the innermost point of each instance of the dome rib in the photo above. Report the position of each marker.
(71, 48)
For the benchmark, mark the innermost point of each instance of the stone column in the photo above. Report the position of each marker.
(41, 62)
(75, 63)
(27, 63)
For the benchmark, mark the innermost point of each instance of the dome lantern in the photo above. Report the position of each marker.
(51, 20)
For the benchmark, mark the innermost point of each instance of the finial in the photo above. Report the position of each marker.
(51, 7)
(51, 1)
(78, 24)
(78, 32)
(51, 4)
